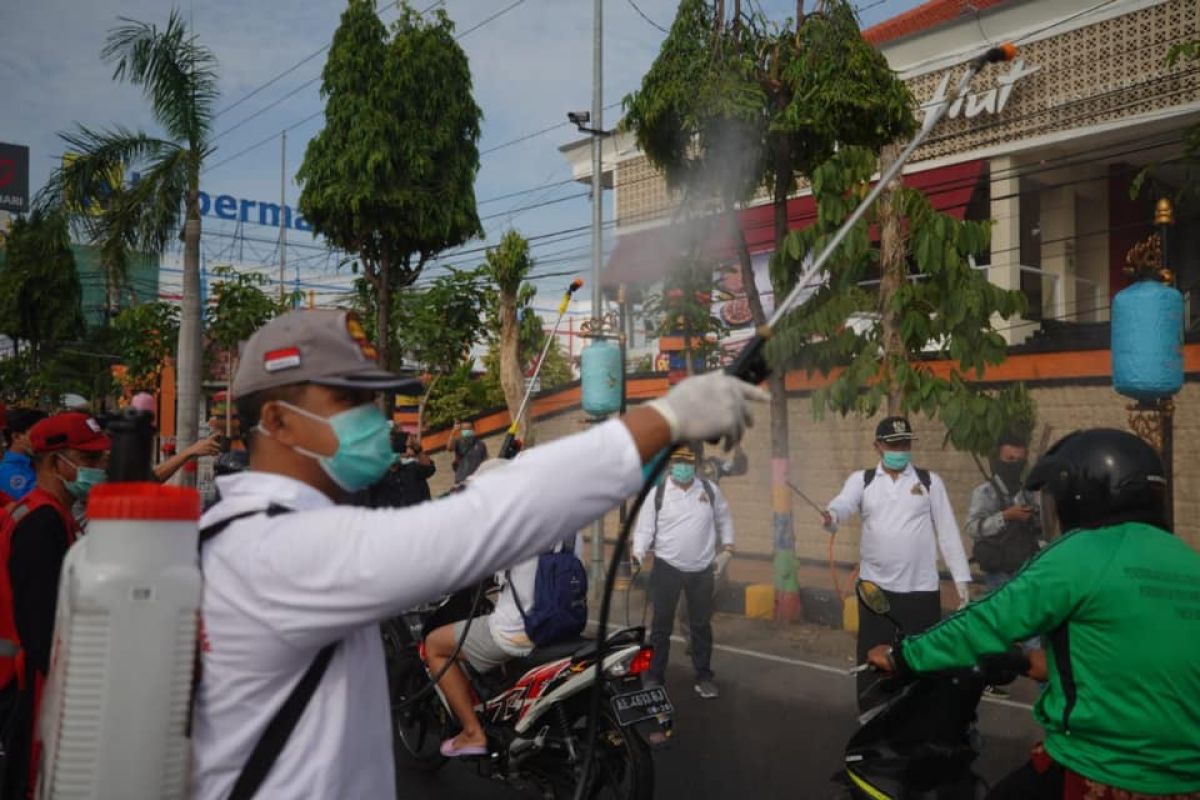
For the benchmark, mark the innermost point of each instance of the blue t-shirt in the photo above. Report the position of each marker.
(16, 475)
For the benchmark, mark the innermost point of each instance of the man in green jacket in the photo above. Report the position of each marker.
(1117, 599)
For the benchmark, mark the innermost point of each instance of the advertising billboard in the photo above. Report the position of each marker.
(14, 178)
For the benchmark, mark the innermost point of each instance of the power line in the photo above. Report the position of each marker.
(305, 85)
(300, 63)
(642, 14)
(495, 16)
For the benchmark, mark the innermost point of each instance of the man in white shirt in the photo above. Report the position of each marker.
(906, 519)
(686, 521)
(293, 580)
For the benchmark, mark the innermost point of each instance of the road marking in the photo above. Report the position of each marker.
(796, 662)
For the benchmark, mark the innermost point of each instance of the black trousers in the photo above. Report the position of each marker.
(915, 611)
(666, 584)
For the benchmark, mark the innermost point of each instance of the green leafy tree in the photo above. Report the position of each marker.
(39, 287)
(441, 323)
(685, 305)
(145, 335)
(240, 306)
(734, 105)
(178, 75)
(554, 373)
(459, 394)
(507, 265)
(391, 176)
(941, 307)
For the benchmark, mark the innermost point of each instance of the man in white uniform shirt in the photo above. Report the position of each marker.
(906, 519)
(295, 585)
(686, 522)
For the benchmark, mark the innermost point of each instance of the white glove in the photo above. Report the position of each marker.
(964, 594)
(722, 561)
(708, 407)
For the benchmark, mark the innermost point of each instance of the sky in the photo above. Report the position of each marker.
(531, 61)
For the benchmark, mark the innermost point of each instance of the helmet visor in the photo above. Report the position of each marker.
(1051, 527)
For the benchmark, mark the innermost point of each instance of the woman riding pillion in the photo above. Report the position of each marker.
(1115, 599)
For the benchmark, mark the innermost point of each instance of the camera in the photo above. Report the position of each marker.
(579, 117)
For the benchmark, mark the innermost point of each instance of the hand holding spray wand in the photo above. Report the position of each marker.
(512, 445)
(751, 365)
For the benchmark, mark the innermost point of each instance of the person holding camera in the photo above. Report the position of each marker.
(1004, 519)
(406, 482)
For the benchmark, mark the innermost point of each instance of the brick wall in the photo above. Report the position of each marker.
(825, 453)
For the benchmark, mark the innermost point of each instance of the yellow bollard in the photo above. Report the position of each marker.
(760, 601)
(850, 614)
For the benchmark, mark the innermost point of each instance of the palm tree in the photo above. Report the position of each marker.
(179, 78)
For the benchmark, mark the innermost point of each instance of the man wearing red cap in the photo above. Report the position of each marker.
(69, 455)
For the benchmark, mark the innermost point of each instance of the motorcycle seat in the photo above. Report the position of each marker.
(544, 655)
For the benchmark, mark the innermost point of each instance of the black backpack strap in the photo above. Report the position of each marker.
(210, 531)
(280, 728)
(275, 737)
(868, 476)
(924, 477)
(659, 492)
(513, 587)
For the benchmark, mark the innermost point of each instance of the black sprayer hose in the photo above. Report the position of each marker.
(434, 680)
(602, 629)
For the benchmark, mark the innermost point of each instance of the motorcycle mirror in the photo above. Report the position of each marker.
(873, 598)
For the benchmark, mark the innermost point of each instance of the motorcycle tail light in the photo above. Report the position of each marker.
(641, 662)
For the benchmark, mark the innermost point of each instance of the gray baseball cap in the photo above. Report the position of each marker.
(328, 347)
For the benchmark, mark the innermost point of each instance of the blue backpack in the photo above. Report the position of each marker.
(559, 597)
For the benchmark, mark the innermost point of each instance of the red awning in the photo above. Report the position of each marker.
(646, 256)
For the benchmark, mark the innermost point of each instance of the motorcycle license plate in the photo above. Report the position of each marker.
(633, 707)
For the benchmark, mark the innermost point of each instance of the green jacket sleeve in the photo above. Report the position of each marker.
(1037, 600)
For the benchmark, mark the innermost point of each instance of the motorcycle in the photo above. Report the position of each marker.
(921, 742)
(534, 710)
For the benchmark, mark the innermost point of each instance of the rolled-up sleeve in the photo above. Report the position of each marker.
(849, 500)
(643, 531)
(949, 539)
(330, 570)
(982, 518)
(723, 515)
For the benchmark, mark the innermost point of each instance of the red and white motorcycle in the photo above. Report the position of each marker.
(535, 711)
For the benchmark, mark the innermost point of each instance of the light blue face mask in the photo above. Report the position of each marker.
(86, 478)
(896, 459)
(364, 451)
(683, 473)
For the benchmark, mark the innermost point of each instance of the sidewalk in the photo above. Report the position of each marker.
(820, 603)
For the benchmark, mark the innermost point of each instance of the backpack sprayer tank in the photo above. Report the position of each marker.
(115, 710)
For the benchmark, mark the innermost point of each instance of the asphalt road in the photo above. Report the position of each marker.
(777, 730)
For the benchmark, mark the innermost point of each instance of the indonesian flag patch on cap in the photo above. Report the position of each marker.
(283, 358)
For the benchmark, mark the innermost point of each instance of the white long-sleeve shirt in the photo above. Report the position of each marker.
(277, 589)
(903, 527)
(685, 539)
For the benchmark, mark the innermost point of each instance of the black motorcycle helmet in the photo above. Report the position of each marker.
(1099, 477)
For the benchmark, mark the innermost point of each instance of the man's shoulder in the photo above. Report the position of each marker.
(36, 523)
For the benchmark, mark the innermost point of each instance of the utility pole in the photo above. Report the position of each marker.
(283, 216)
(597, 229)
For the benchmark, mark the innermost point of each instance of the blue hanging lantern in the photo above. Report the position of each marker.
(1147, 340)
(600, 371)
